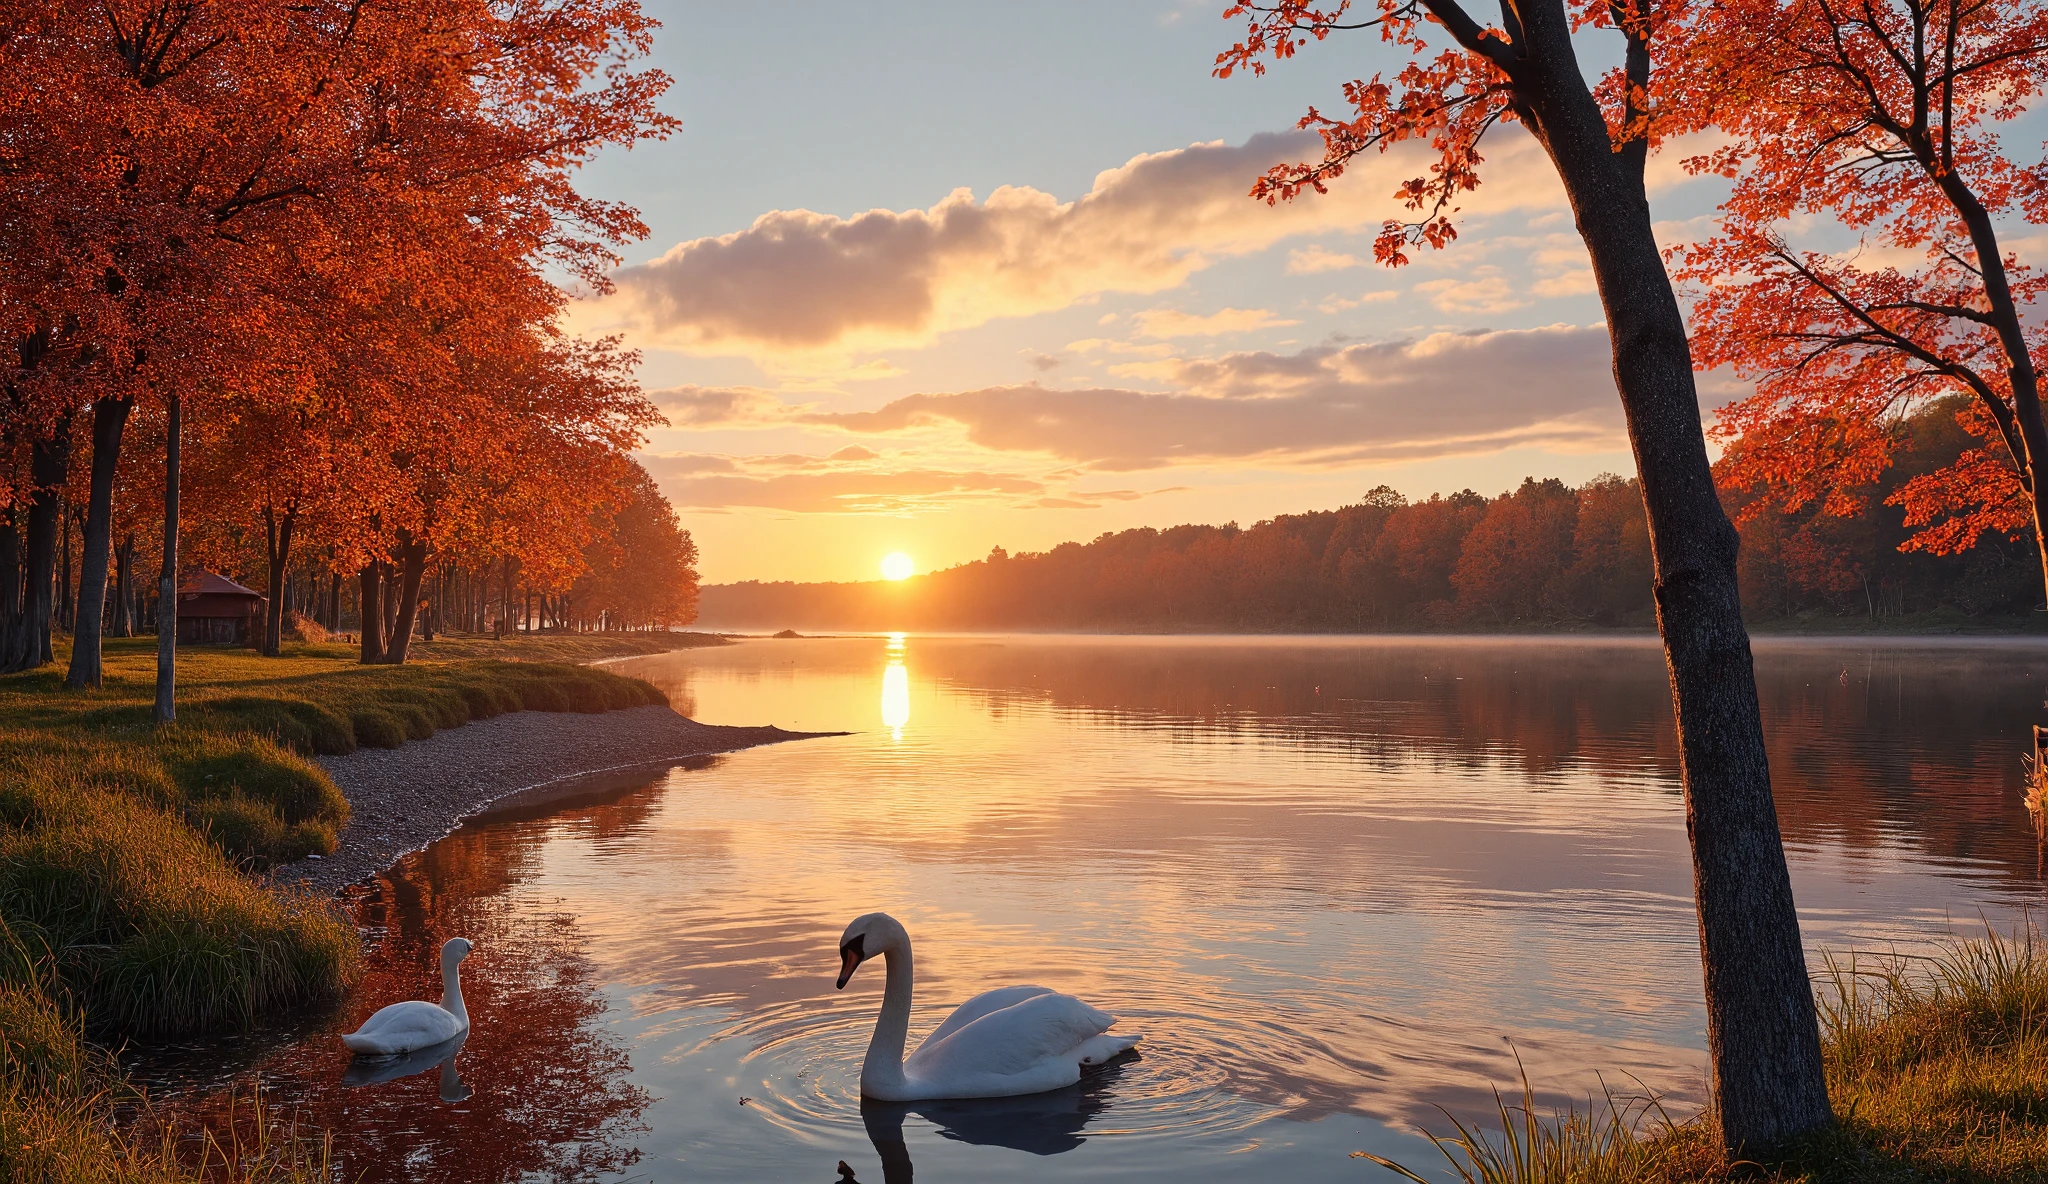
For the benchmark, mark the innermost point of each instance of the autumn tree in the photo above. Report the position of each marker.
(641, 568)
(1761, 1027)
(194, 182)
(1878, 117)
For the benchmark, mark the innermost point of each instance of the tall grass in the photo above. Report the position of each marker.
(1937, 1067)
(125, 907)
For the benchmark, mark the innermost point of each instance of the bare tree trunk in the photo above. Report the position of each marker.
(412, 564)
(277, 543)
(370, 583)
(61, 608)
(1762, 1033)
(109, 420)
(167, 579)
(49, 460)
(124, 588)
(333, 597)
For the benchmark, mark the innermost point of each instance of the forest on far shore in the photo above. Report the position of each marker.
(1542, 556)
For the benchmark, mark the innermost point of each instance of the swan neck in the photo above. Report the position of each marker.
(451, 989)
(884, 1063)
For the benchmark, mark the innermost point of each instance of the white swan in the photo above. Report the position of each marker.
(1015, 1040)
(404, 1027)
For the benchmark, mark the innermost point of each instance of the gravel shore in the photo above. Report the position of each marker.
(401, 799)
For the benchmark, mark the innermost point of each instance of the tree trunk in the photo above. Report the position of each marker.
(277, 543)
(1762, 1035)
(61, 608)
(28, 643)
(412, 564)
(390, 617)
(370, 585)
(167, 580)
(124, 588)
(109, 420)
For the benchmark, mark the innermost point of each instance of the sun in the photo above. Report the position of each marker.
(897, 566)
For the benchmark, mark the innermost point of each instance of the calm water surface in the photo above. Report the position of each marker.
(1329, 880)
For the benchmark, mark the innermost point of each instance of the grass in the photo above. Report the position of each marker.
(126, 903)
(1937, 1067)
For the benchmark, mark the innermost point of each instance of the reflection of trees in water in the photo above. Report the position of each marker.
(671, 678)
(548, 1097)
(1867, 741)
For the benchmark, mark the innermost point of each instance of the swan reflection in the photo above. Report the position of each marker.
(895, 690)
(1042, 1124)
(376, 1071)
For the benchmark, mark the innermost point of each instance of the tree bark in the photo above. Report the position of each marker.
(277, 542)
(411, 554)
(1762, 1034)
(28, 644)
(109, 420)
(370, 596)
(334, 602)
(124, 588)
(166, 710)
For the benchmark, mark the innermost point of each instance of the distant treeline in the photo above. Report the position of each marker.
(1542, 556)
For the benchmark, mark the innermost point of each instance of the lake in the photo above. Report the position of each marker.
(1336, 883)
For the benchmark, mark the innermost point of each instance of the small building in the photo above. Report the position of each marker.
(214, 610)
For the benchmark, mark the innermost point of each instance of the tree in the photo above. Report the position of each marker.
(1761, 1027)
(1878, 116)
(202, 187)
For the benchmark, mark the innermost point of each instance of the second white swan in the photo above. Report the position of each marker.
(1001, 1043)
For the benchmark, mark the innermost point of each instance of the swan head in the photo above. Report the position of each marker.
(875, 933)
(454, 950)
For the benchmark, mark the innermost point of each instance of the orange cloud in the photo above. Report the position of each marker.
(1443, 395)
(800, 283)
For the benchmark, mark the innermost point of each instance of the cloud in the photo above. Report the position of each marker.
(812, 485)
(1168, 322)
(1315, 257)
(798, 282)
(1042, 362)
(1486, 292)
(708, 406)
(1089, 345)
(1446, 394)
(1340, 304)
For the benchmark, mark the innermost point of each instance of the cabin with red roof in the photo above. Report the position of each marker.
(214, 610)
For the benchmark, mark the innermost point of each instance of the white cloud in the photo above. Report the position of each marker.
(1168, 322)
(1487, 292)
(1316, 258)
(1334, 303)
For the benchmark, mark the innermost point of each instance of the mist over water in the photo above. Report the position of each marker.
(1328, 879)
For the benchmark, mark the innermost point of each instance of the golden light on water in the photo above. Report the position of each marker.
(895, 689)
(898, 566)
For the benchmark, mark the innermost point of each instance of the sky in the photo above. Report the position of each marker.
(940, 277)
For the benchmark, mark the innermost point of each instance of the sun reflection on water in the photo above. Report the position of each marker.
(895, 690)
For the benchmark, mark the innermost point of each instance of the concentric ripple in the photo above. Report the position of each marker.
(803, 1071)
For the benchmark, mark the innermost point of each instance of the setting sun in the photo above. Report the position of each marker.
(897, 566)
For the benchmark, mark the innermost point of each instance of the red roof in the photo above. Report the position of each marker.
(207, 583)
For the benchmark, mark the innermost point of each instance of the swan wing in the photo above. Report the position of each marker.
(977, 1007)
(403, 1027)
(1011, 1041)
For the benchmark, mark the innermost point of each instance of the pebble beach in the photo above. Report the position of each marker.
(401, 799)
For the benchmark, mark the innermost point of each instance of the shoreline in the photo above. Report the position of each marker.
(403, 799)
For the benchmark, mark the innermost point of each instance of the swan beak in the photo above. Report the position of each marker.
(848, 959)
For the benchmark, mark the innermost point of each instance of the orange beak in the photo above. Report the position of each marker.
(848, 959)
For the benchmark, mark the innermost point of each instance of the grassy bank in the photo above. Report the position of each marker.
(1937, 1068)
(124, 907)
